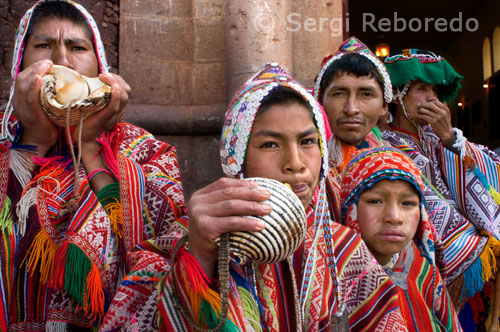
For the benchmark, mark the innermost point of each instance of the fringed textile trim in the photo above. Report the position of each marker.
(6, 221)
(52, 326)
(249, 301)
(494, 194)
(203, 302)
(482, 270)
(75, 273)
(108, 156)
(42, 255)
(109, 196)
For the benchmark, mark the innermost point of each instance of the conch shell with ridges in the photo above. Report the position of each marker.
(62, 88)
(284, 232)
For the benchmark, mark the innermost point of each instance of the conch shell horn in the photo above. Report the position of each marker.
(284, 232)
(64, 88)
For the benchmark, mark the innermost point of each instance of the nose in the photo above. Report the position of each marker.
(351, 106)
(393, 214)
(431, 93)
(61, 55)
(293, 159)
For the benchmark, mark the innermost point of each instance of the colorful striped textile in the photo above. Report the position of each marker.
(423, 298)
(264, 292)
(83, 257)
(460, 206)
(337, 279)
(60, 268)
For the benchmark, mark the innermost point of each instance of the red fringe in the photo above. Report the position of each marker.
(59, 268)
(109, 157)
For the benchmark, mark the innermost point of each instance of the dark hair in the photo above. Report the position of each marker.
(59, 10)
(283, 95)
(352, 63)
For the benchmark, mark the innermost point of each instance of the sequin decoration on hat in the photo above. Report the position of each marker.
(411, 65)
(354, 46)
(242, 111)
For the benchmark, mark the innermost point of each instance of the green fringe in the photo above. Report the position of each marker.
(109, 194)
(250, 307)
(6, 221)
(208, 316)
(377, 133)
(76, 269)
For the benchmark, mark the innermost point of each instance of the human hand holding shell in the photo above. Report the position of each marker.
(63, 90)
(285, 227)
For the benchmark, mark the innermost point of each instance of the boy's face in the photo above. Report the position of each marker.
(353, 105)
(63, 42)
(284, 145)
(388, 217)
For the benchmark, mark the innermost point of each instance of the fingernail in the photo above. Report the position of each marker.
(264, 192)
(266, 208)
(253, 183)
(260, 225)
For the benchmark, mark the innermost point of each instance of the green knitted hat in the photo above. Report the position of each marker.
(417, 65)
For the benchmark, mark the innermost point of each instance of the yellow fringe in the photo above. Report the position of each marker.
(494, 194)
(489, 257)
(94, 294)
(250, 308)
(207, 294)
(42, 253)
(115, 213)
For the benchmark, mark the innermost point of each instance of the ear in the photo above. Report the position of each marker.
(383, 118)
(385, 110)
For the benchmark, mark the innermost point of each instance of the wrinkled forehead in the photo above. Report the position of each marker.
(76, 26)
(24, 26)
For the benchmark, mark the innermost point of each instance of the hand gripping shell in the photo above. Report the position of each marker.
(63, 90)
(284, 232)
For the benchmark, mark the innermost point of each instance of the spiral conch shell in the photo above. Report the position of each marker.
(284, 232)
(63, 87)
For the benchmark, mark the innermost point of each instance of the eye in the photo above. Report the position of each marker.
(42, 45)
(268, 145)
(374, 201)
(309, 141)
(79, 48)
(410, 203)
(367, 94)
(337, 93)
(370, 198)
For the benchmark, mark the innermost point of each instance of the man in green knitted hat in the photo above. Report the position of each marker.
(464, 207)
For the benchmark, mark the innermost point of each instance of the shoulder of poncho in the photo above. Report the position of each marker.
(125, 134)
(343, 233)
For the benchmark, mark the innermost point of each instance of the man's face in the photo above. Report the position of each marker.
(353, 105)
(418, 93)
(284, 146)
(63, 42)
